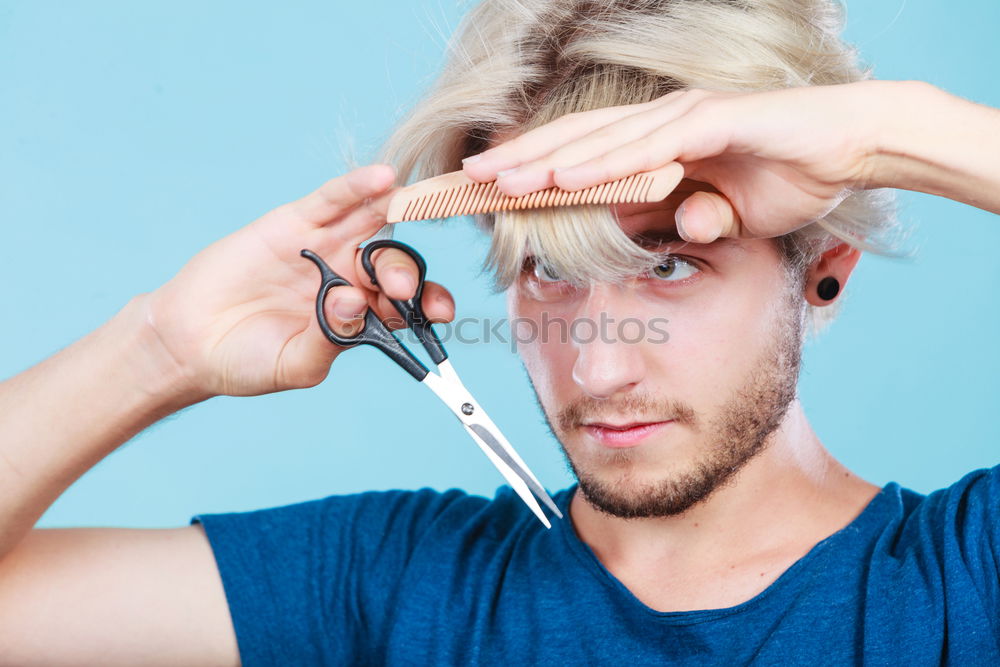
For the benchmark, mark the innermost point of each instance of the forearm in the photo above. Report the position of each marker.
(61, 417)
(934, 142)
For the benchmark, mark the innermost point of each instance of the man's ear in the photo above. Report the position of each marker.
(837, 262)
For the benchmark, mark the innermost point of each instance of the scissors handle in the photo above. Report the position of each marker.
(410, 309)
(373, 333)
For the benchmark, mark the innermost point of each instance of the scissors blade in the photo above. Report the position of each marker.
(506, 454)
(449, 388)
(450, 376)
(498, 458)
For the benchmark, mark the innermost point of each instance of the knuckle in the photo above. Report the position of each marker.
(647, 154)
(369, 213)
(510, 145)
(672, 95)
(565, 156)
(718, 205)
(607, 132)
(601, 164)
(330, 193)
(649, 161)
(516, 144)
(397, 267)
(711, 105)
(705, 104)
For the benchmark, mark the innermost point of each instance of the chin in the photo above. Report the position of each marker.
(629, 483)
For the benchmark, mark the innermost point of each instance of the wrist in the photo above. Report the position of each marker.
(939, 144)
(165, 383)
(63, 415)
(893, 105)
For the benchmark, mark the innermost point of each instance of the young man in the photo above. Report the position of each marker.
(709, 523)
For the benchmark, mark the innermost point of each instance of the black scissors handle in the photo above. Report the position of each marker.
(410, 309)
(373, 333)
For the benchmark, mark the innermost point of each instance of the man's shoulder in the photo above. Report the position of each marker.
(956, 515)
(979, 489)
(452, 510)
(413, 512)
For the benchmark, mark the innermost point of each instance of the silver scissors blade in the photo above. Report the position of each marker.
(515, 480)
(452, 392)
(522, 472)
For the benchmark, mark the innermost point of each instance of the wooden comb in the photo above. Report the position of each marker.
(455, 193)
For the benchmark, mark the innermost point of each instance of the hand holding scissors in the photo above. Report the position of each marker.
(445, 384)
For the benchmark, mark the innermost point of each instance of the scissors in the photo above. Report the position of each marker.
(445, 383)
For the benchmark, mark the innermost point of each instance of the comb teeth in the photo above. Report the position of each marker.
(454, 194)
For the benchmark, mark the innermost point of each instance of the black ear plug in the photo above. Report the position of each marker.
(828, 288)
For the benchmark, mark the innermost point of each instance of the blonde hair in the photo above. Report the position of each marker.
(516, 64)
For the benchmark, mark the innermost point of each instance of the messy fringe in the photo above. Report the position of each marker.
(516, 64)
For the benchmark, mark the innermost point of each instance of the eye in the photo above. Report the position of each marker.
(673, 269)
(545, 274)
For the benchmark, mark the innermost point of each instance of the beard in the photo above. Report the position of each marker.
(737, 434)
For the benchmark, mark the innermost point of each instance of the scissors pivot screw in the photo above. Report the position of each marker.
(467, 409)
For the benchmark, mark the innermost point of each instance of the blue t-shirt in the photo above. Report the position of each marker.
(430, 578)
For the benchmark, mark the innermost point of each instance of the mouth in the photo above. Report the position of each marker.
(624, 435)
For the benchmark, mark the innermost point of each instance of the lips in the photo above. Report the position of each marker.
(624, 435)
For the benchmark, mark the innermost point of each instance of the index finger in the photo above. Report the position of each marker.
(542, 140)
(339, 195)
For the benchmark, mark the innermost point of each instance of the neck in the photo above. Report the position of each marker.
(779, 505)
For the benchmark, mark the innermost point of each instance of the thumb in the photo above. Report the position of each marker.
(305, 358)
(705, 216)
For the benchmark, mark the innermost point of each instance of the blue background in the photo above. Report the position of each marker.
(134, 134)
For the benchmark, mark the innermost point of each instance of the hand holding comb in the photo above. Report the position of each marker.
(455, 193)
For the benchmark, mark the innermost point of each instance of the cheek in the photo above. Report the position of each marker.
(543, 343)
(712, 344)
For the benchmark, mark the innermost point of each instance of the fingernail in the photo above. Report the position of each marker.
(505, 172)
(678, 215)
(472, 159)
(348, 309)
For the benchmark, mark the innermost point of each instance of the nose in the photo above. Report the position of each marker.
(606, 363)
